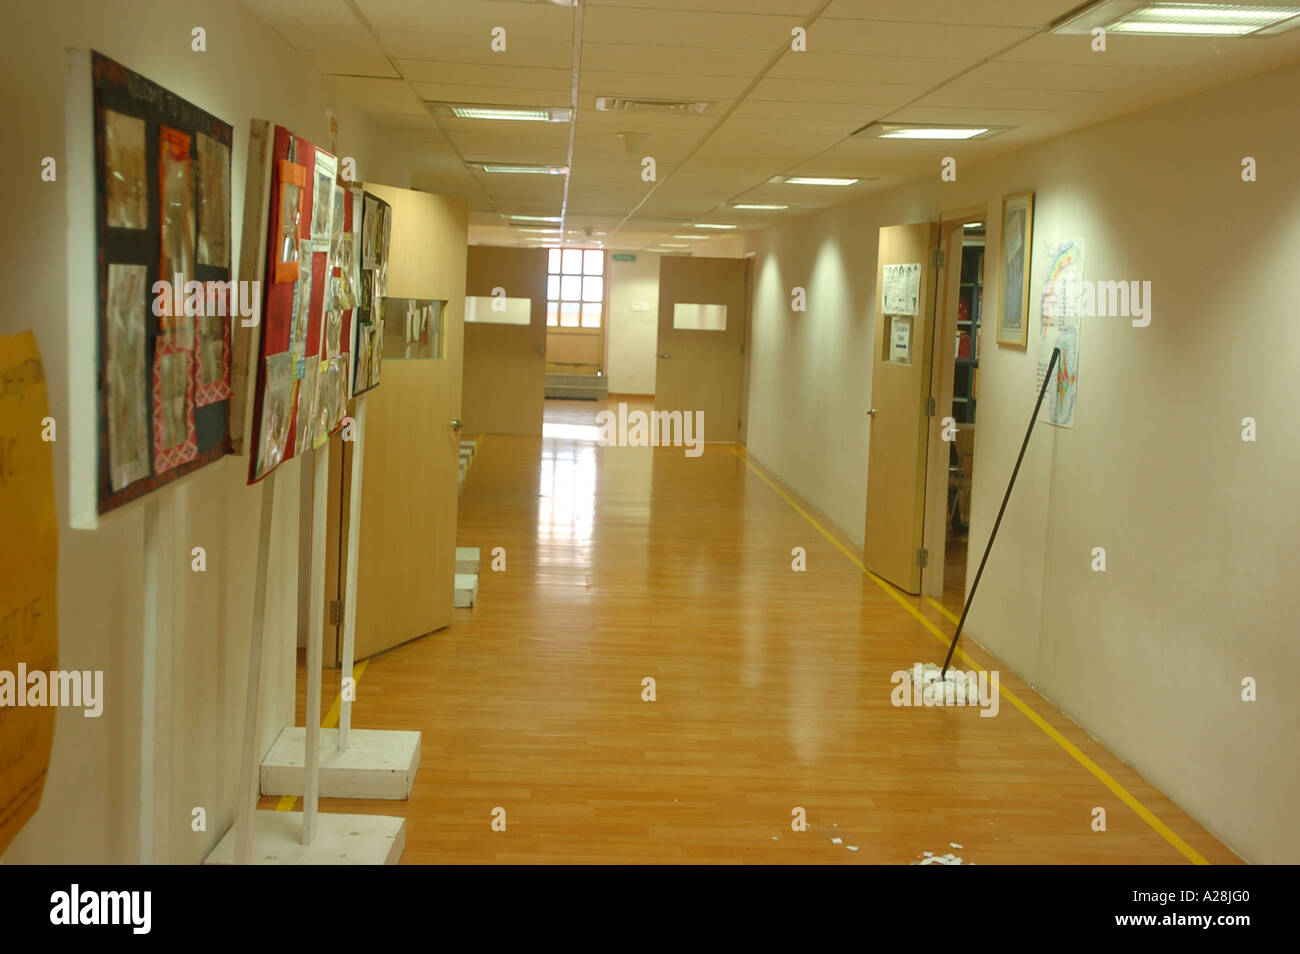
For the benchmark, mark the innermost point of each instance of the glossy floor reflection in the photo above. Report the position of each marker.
(772, 691)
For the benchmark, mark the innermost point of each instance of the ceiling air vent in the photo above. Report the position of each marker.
(627, 104)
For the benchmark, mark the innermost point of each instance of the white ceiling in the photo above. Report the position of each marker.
(775, 112)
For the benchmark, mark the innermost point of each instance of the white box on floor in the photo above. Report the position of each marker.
(340, 840)
(379, 763)
(466, 589)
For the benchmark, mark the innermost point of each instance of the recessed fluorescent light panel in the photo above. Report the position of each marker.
(946, 131)
(815, 180)
(1136, 17)
(1205, 19)
(750, 207)
(694, 238)
(534, 218)
(628, 104)
(710, 225)
(518, 169)
(518, 114)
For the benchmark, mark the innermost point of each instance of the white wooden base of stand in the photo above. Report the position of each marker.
(340, 840)
(378, 763)
(467, 560)
(466, 590)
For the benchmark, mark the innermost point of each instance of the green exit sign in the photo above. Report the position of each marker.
(624, 257)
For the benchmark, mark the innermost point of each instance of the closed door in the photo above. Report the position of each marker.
(900, 388)
(703, 321)
(505, 340)
(411, 441)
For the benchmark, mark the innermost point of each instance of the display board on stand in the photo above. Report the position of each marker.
(149, 219)
(322, 252)
(325, 269)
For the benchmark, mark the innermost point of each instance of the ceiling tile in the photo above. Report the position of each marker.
(459, 47)
(687, 28)
(696, 60)
(473, 17)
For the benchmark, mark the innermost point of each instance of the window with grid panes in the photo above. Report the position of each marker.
(575, 287)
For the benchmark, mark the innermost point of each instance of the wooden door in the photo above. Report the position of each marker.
(505, 364)
(900, 388)
(411, 446)
(701, 350)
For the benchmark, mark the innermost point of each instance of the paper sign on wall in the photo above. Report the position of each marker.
(900, 291)
(900, 340)
(28, 580)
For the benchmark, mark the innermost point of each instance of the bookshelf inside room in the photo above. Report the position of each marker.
(970, 307)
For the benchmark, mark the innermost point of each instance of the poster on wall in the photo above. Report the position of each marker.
(1060, 329)
(28, 584)
(900, 290)
(304, 352)
(162, 244)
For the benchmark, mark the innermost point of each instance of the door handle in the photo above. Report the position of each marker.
(541, 351)
(665, 356)
(872, 412)
(455, 424)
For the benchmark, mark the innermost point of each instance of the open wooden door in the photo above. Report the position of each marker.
(505, 361)
(703, 322)
(900, 391)
(409, 489)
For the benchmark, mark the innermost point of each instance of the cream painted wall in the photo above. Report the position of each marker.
(633, 334)
(1202, 530)
(91, 806)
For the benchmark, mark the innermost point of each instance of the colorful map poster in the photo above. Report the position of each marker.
(28, 579)
(1060, 329)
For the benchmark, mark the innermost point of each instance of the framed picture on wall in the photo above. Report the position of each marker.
(1013, 279)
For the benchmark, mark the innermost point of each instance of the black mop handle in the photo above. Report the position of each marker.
(1056, 353)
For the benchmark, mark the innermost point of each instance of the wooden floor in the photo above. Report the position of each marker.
(773, 691)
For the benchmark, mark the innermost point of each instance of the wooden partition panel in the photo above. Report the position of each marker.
(703, 369)
(406, 569)
(505, 365)
(900, 382)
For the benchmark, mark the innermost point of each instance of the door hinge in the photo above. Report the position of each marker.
(336, 612)
(936, 257)
(929, 406)
(922, 558)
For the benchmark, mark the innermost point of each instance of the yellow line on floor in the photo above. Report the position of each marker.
(287, 802)
(1101, 774)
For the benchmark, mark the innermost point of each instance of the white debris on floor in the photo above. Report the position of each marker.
(930, 858)
(953, 844)
(851, 847)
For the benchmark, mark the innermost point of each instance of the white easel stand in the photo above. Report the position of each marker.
(306, 837)
(353, 763)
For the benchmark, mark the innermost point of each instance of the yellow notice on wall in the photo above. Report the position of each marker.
(29, 541)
